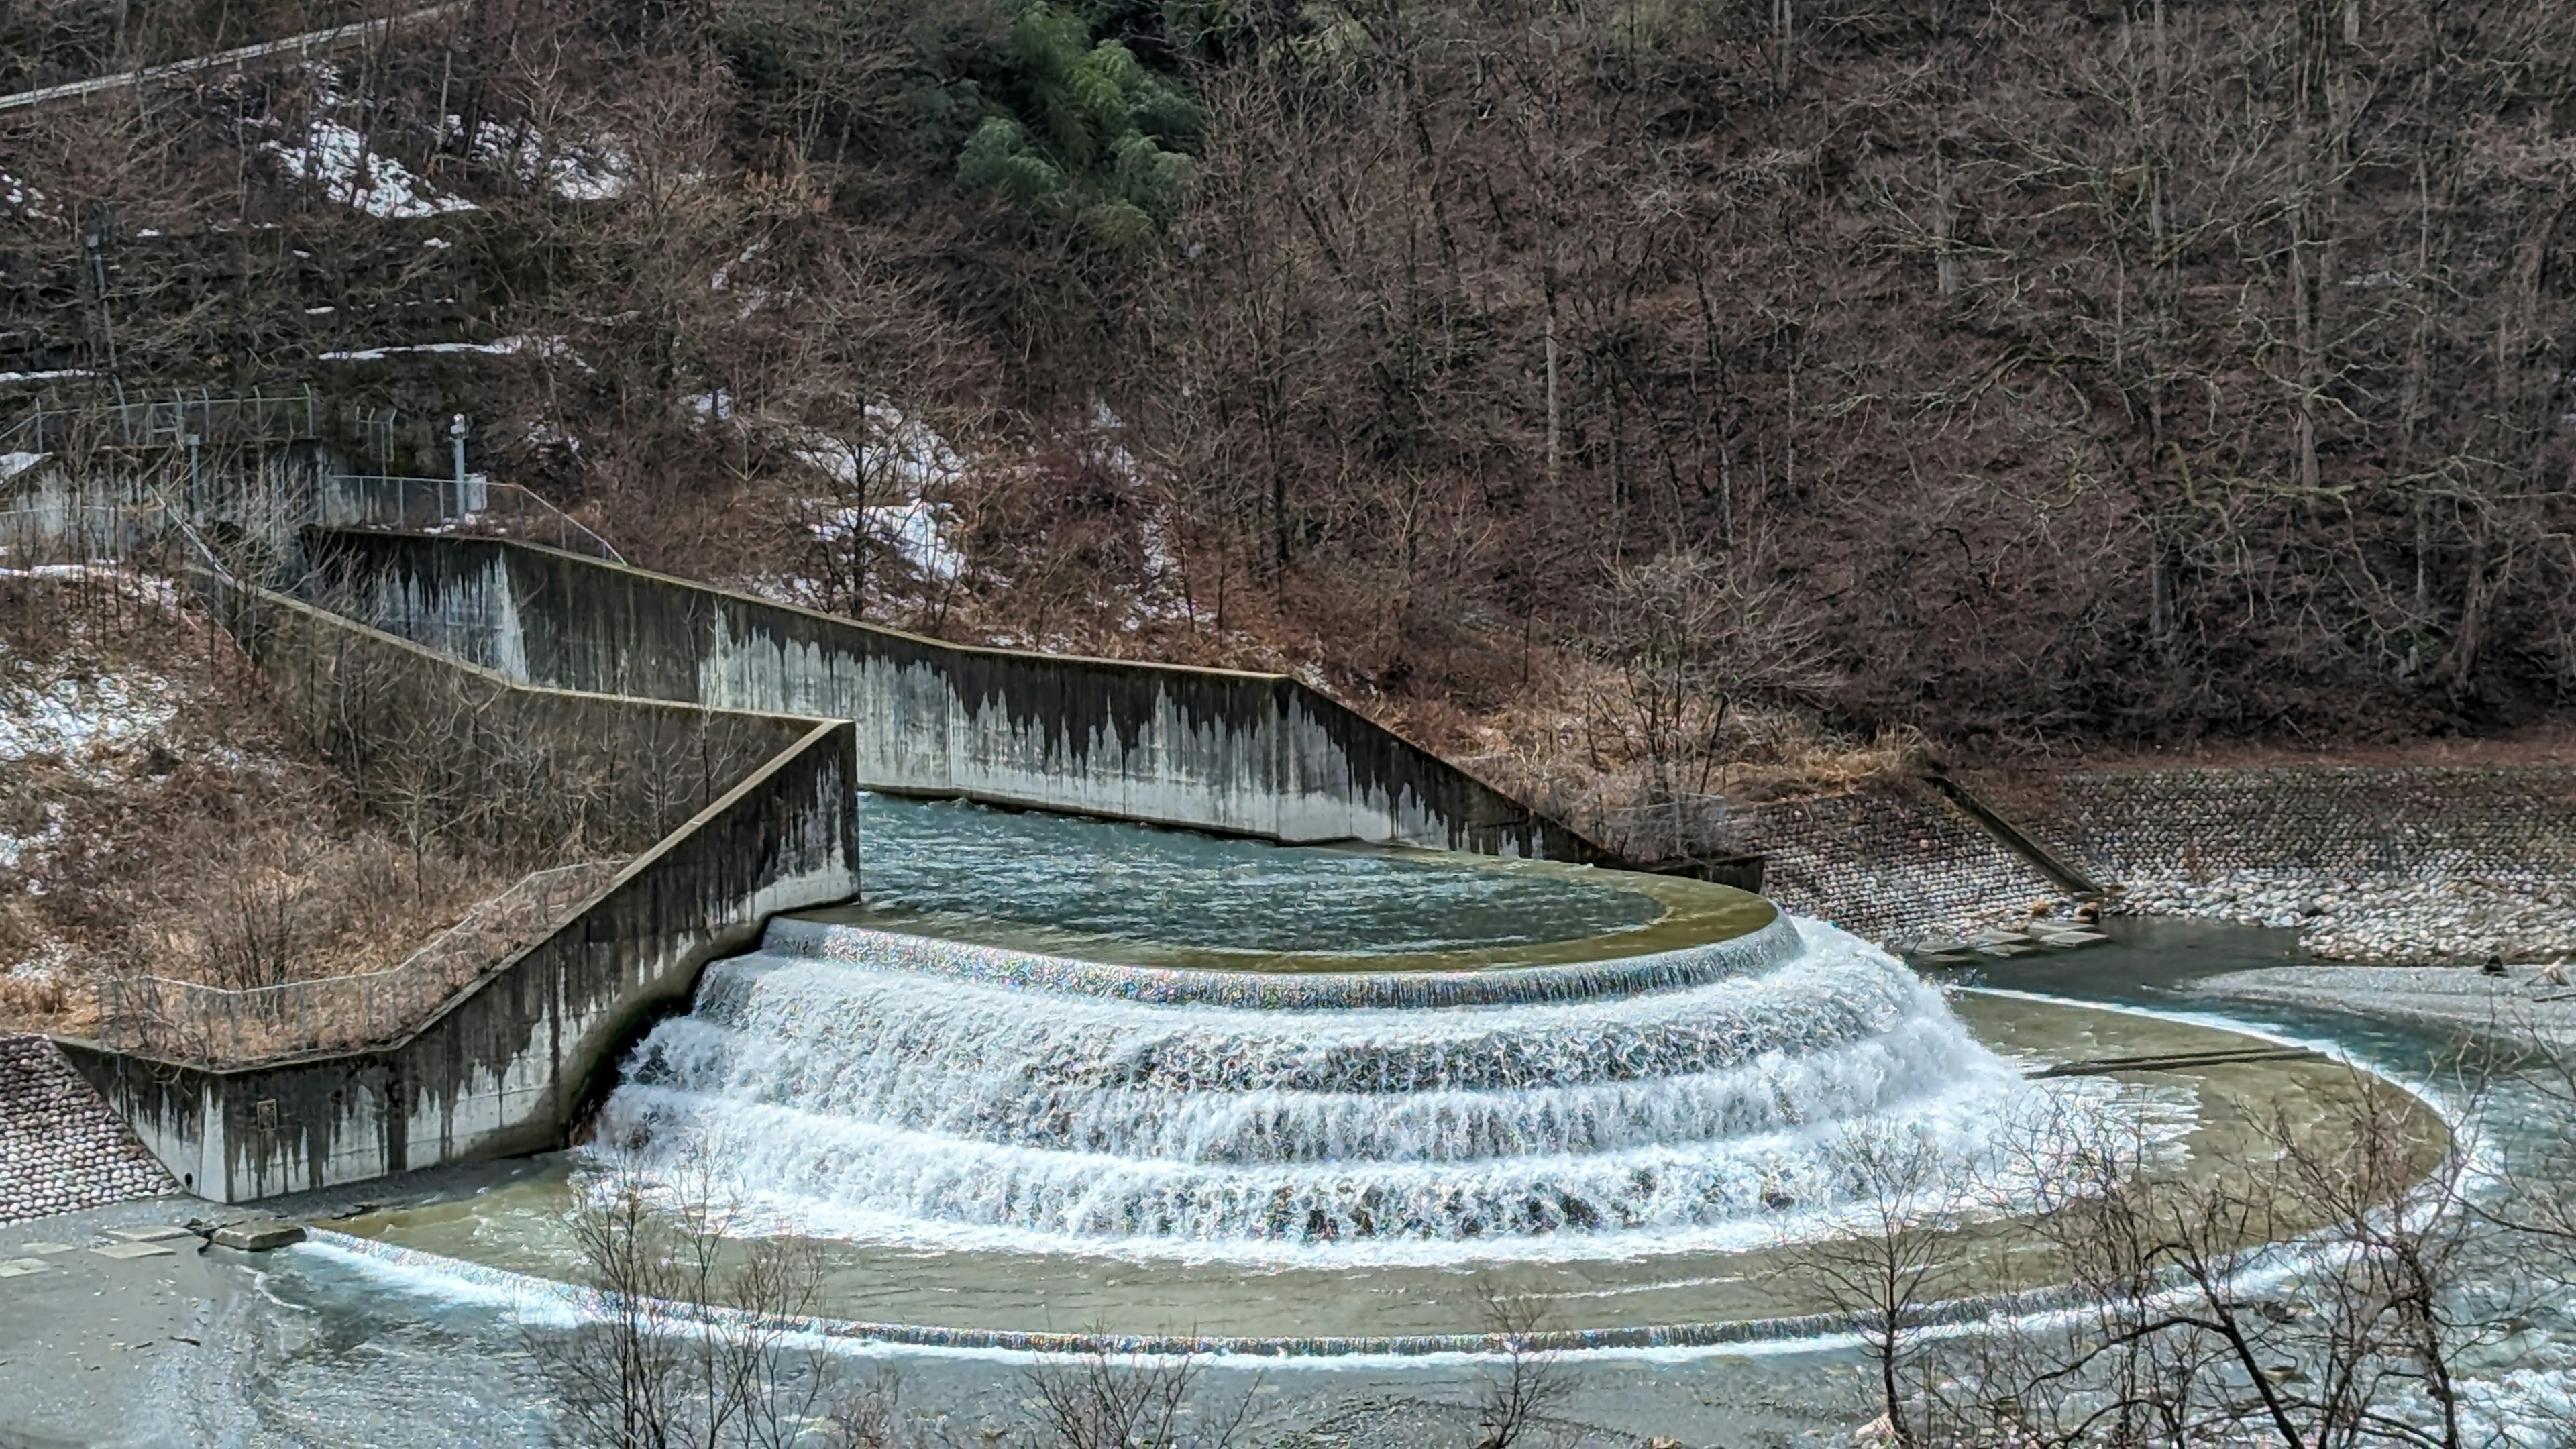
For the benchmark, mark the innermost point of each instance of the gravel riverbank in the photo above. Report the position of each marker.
(2520, 1006)
(2409, 919)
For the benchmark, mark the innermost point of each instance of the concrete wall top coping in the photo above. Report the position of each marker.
(432, 658)
(837, 620)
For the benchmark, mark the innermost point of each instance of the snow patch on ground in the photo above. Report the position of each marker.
(724, 274)
(337, 157)
(916, 531)
(17, 195)
(545, 434)
(1161, 595)
(13, 464)
(919, 532)
(900, 458)
(14, 847)
(597, 171)
(897, 454)
(77, 720)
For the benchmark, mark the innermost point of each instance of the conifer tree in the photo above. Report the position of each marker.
(1085, 134)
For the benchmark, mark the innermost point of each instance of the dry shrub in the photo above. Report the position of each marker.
(215, 845)
(287, 907)
(1584, 765)
(44, 1001)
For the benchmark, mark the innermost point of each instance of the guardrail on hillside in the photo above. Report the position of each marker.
(191, 1021)
(171, 421)
(307, 43)
(78, 529)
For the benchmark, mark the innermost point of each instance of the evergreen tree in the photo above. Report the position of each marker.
(1084, 134)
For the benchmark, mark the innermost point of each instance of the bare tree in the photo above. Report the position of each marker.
(1102, 1400)
(2186, 1323)
(1684, 639)
(688, 1341)
(1894, 1259)
(1517, 1397)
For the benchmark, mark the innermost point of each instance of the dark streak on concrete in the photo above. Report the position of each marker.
(503, 1068)
(1245, 754)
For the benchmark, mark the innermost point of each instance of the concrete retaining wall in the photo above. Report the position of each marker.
(420, 734)
(505, 1068)
(1243, 754)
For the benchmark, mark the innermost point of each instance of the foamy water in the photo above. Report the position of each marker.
(843, 1095)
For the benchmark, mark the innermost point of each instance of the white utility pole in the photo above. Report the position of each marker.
(456, 434)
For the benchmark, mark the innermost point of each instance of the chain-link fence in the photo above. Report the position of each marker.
(191, 1021)
(200, 417)
(481, 507)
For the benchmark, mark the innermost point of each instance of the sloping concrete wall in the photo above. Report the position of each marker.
(505, 1068)
(1244, 754)
(417, 730)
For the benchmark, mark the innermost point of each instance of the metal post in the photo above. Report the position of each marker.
(456, 432)
(196, 482)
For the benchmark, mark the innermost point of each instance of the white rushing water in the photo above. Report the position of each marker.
(844, 1099)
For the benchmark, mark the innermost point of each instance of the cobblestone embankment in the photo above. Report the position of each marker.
(1898, 865)
(2377, 863)
(61, 1149)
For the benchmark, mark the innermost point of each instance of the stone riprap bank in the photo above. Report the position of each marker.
(61, 1149)
(2373, 863)
(1241, 754)
(1901, 865)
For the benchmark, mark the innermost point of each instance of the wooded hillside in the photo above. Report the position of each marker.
(2085, 372)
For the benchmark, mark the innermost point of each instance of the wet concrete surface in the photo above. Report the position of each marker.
(188, 1346)
(103, 1347)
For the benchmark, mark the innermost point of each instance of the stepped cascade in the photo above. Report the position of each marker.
(1445, 1062)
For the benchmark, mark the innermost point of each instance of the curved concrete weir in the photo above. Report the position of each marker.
(1305, 1150)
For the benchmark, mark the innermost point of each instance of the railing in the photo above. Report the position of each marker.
(169, 422)
(310, 42)
(80, 529)
(504, 510)
(191, 1021)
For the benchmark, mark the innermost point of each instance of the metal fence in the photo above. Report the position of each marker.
(96, 524)
(191, 1021)
(173, 421)
(503, 510)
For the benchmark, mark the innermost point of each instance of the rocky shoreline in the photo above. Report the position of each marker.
(2522, 1006)
(2421, 920)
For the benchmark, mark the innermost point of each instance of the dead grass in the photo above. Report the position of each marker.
(1556, 748)
(177, 823)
